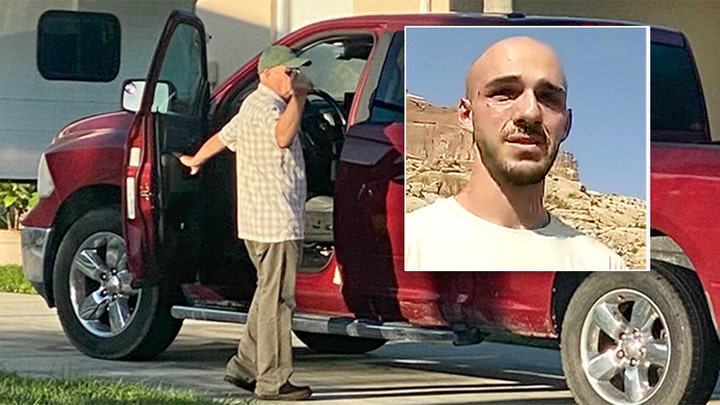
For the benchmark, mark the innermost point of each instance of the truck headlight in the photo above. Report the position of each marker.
(45, 183)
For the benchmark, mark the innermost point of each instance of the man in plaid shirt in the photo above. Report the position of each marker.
(271, 191)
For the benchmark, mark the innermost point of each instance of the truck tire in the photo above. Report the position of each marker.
(338, 344)
(101, 314)
(640, 338)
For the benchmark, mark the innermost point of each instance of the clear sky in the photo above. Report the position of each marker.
(606, 70)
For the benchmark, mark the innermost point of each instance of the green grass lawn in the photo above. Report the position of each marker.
(17, 390)
(12, 280)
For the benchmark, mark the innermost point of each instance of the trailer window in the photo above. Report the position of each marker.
(82, 46)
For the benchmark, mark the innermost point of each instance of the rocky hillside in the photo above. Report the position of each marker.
(438, 162)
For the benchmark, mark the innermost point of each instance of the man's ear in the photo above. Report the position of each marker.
(265, 74)
(568, 125)
(465, 115)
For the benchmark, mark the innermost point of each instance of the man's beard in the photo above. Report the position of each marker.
(510, 172)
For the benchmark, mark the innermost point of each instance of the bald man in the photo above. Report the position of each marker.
(515, 105)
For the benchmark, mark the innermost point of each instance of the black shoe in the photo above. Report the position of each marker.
(289, 392)
(240, 383)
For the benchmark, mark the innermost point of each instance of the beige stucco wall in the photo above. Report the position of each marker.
(10, 252)
(399, 6)
(697, 19)
(239, 30)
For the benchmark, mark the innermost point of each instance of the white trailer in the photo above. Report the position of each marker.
(32, 108)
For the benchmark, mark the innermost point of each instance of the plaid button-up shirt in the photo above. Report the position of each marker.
(271, 184)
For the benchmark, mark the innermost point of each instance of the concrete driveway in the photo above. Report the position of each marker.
(32, 343)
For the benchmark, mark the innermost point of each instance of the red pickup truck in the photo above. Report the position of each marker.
(126, 244)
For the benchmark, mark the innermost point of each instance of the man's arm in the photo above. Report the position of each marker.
(288, 124)
(210, 148)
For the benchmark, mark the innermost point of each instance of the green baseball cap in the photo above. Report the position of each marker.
(280, 55)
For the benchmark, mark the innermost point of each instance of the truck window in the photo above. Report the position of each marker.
(337, 65)
(183, 69)
(676, 112)
(73, 45)
(389, 102)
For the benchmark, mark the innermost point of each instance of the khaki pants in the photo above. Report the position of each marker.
(265, 348)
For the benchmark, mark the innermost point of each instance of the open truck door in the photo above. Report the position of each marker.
(161, 201)
(118, 270)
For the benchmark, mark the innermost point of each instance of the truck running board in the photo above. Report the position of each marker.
(342, 326)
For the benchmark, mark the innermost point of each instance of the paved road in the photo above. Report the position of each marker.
(32, 343)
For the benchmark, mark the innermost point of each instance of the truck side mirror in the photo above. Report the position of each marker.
(133, 91)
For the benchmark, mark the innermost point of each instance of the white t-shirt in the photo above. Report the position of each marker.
(445, 236)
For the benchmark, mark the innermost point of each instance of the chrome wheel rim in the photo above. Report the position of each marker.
(625, 347)
(100, 285)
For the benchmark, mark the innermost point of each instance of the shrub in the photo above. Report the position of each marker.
(16, 199)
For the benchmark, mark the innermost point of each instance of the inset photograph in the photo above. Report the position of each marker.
(527, 149)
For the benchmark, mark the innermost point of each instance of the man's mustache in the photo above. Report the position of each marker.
(522, 130)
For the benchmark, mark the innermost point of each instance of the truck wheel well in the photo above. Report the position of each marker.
(75, 206)
(662, 248)
(563, 289)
